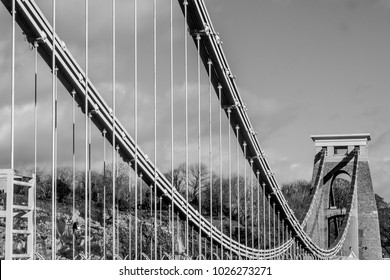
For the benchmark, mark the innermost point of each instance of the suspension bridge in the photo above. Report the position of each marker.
(224, 201)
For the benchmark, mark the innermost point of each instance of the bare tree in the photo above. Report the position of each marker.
(298, 197)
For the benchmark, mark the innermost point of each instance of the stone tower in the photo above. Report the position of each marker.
(342, 183)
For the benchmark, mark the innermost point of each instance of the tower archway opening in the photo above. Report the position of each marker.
(339, 195)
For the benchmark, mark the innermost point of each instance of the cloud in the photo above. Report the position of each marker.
(282, 2)
(269, 107)
(279, 114)
(5, 125)
(286, 168)
(381, 141)
(281, 117)
(294, 165)
(271, 112)
(354, 5)
(4, 50)
(380, 172)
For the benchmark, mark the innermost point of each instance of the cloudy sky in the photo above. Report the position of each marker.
(303, 67)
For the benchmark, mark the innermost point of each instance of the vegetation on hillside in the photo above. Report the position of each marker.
(297, 193)
(384, 224)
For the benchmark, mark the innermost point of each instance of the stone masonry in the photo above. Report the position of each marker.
(346, 157)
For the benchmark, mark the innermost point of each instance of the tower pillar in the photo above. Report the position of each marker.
(343, 186)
